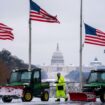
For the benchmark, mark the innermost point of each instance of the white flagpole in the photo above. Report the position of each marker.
(81, 45)
(29, 68)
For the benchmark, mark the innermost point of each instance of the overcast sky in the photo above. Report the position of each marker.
(45, 36)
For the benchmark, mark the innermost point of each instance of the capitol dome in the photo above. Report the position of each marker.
(57, 58)
(96, 62)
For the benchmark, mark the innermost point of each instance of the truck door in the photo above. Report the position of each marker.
(36, 82)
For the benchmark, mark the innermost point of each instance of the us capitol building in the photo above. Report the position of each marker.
(57, 65)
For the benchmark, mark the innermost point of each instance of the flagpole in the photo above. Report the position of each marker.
(81, 45)
(29, 68)
(45, 17)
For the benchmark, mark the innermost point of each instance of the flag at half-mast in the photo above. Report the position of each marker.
(94, 36)
(38, 14)
(6, 32)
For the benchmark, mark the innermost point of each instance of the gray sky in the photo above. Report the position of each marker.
(45, 36)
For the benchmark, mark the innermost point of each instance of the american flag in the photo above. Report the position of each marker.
(94, 36)
(6, 32)
(38, 14)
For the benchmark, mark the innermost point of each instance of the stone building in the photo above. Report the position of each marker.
(57, 64)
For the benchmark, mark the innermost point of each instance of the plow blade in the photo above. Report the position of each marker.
(11, 91)
(82, 96)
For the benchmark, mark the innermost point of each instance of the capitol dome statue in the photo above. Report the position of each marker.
(57, 58)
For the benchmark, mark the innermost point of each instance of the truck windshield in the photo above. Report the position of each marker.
(96, 77)
(20, 77)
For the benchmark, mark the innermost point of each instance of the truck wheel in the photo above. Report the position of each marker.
(27, 96)
(6, 99)
(102, 97)
(45, 96)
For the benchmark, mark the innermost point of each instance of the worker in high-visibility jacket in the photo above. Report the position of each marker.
(60, 88)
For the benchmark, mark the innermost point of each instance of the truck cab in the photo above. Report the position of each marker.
(96, 83)
(25, 84)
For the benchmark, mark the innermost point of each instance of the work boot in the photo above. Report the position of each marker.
(66, 99)
(58, 99)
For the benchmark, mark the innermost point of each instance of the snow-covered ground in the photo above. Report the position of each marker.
(36, 101)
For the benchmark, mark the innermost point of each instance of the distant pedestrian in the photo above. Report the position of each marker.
(60, 88)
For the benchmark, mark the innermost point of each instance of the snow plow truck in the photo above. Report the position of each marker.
(25, 84)
(96, 83)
